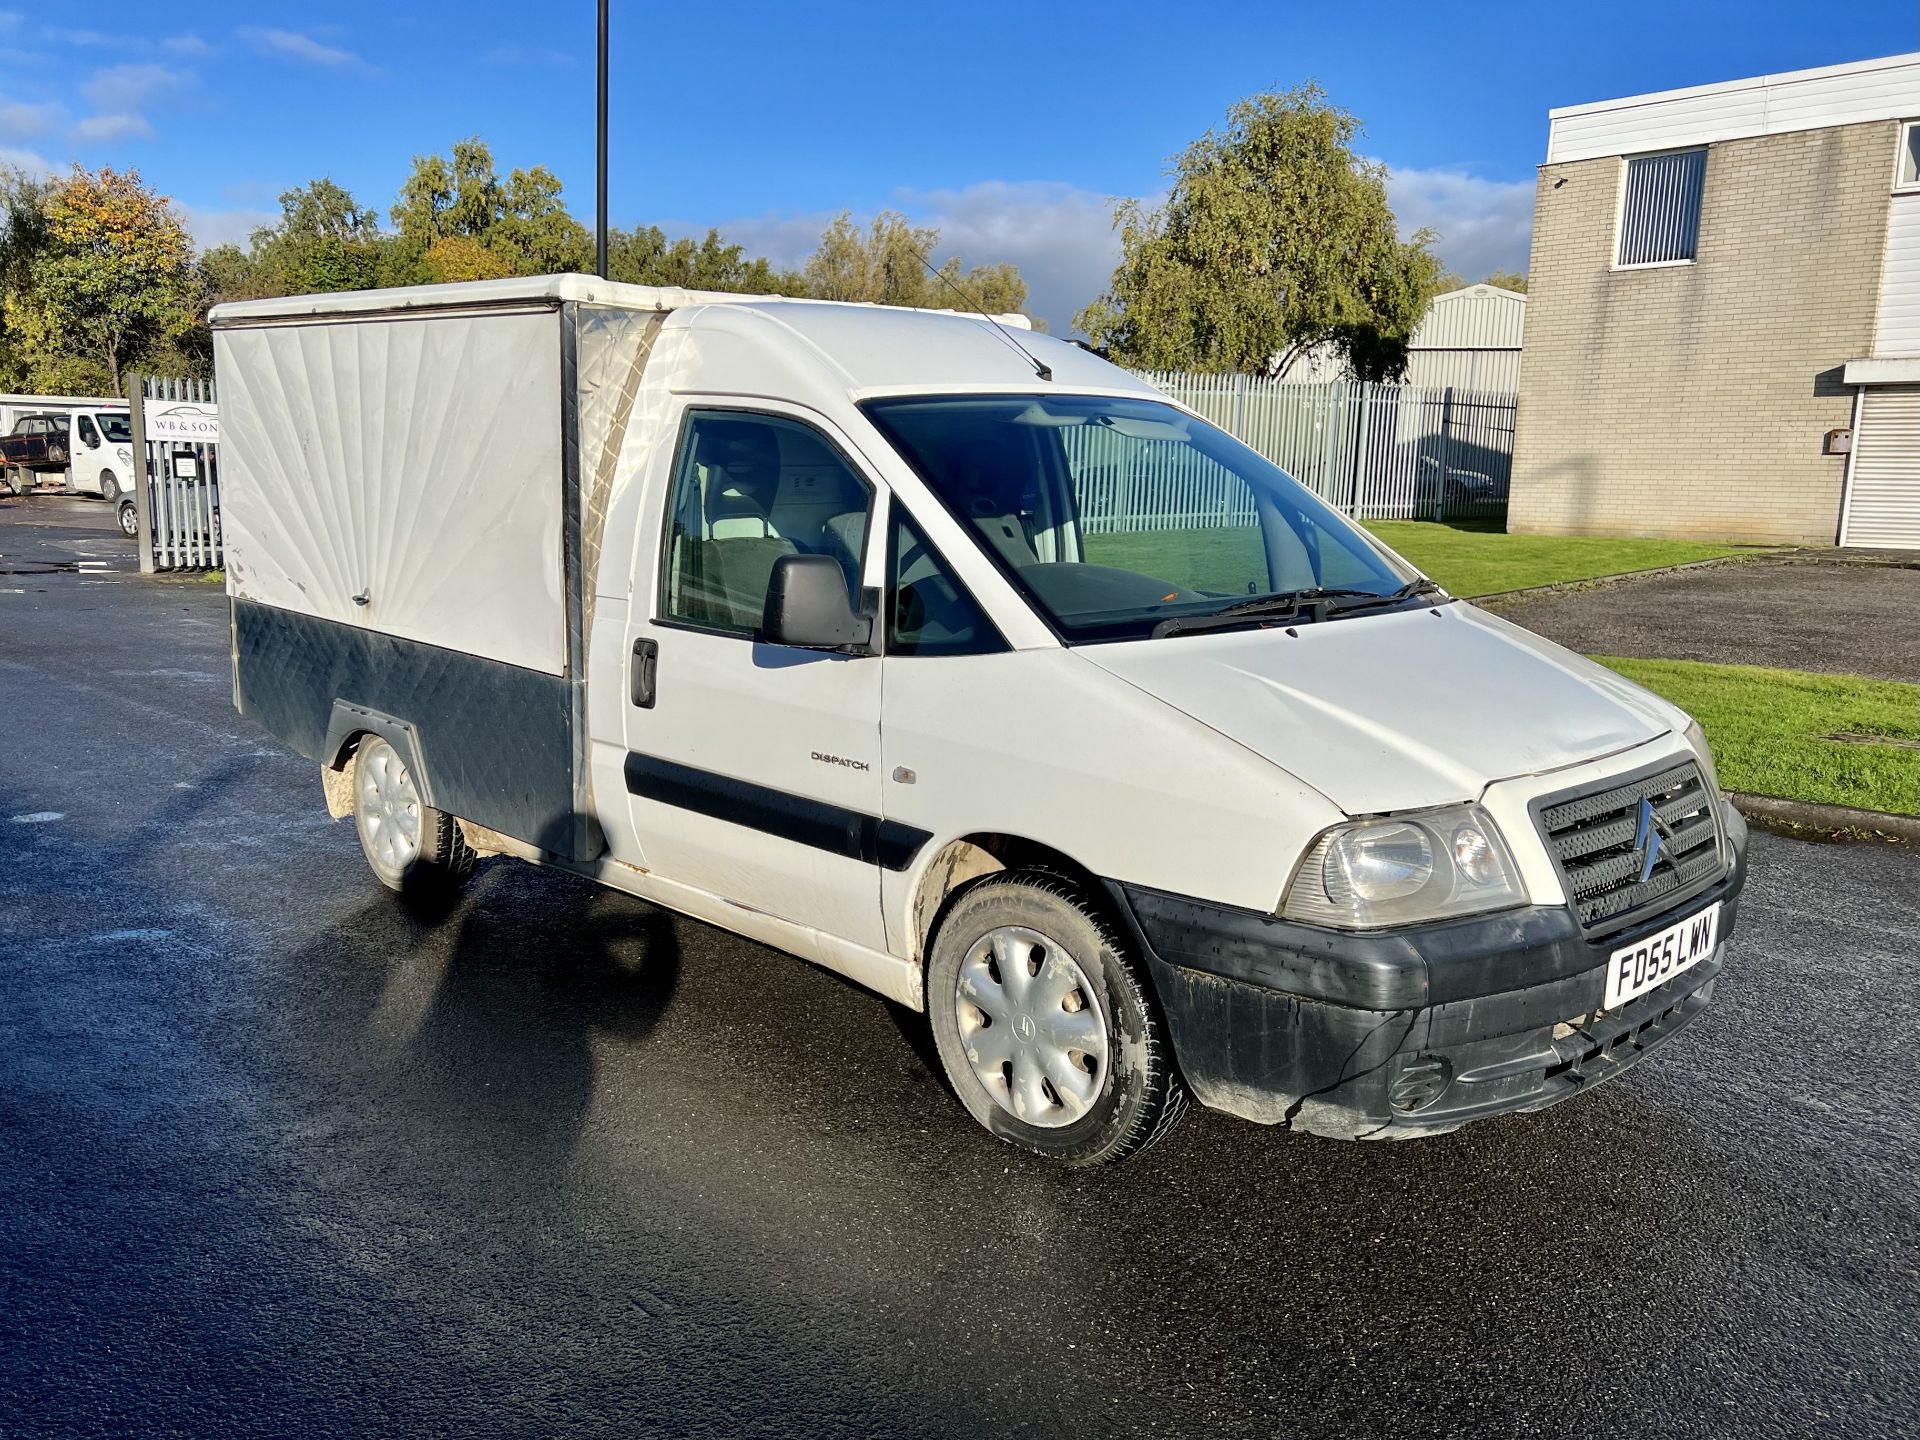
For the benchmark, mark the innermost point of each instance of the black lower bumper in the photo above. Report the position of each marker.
(1413, 1032)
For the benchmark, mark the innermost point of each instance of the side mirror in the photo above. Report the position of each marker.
(807, 606)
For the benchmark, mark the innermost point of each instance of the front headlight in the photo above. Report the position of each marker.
(1373, 873)
(1697, 738)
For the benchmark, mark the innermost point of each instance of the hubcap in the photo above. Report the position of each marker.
(1031, 1025)
(388, 807)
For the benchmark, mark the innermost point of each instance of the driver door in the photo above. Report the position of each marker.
(753, 770)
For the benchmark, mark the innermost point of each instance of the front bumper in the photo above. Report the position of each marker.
(1411, 1032)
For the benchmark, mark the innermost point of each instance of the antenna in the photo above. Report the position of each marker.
(1040, 367)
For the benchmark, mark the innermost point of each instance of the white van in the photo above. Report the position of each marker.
(102, 453)
(959, 661)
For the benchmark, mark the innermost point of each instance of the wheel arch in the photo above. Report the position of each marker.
(963, 862)
(347, 725)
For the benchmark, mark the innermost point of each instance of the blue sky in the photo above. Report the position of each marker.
(1009, 125)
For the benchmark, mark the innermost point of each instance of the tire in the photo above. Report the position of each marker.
(412, 849)
(109, 487)
(1054, 1096)
(129, 519)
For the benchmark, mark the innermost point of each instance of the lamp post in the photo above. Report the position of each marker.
(600, 159)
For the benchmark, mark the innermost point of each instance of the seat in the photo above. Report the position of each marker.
(988, 491)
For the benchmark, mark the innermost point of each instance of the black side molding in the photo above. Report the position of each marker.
(832, 828)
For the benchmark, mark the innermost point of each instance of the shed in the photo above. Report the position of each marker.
(1469, 339)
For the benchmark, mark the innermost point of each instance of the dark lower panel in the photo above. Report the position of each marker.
(493, 738)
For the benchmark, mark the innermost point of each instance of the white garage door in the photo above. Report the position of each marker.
(1883, 502)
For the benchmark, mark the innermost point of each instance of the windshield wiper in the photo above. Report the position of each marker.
(1313, 604)
(1366, 600)
(1286, 605)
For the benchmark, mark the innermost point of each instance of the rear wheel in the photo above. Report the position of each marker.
(412, 848)
(129, 520)
(1045, 1026)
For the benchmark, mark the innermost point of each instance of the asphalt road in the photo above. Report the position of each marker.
(1843, 618)
(277, 1157)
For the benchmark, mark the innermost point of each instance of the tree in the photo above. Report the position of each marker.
(325, 240)
(1504, 279)
(23, 235)
(113, 278)
(889, 265)
(1276, 236)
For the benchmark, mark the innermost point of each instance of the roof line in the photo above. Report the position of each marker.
(1726, 87)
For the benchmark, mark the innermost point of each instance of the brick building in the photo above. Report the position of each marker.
(1723, 333)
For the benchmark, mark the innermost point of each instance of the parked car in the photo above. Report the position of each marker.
(37, 443)
(782, 614)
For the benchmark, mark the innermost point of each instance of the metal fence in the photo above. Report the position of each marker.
(179, 505)
(1376, 452)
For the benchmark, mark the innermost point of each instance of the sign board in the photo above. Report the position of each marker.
(193, 420)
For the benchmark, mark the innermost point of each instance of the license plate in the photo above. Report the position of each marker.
(1650, 962)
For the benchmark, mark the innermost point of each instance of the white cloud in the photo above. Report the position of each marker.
(292, 45)
(105, 129)
(1059, 235)
(38, 166)
(97, 38)
(125, 89)
(1483, 225)
(521, 55)
(19, 120)
(189, 45)
(222, 227)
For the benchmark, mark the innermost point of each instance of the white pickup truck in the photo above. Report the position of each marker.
(957, 660)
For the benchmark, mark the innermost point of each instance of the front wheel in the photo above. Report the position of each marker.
(129, 520)
(109, 487)
(1044, 1025)
(412, 848)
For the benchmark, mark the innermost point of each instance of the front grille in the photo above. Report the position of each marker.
(1600, 840)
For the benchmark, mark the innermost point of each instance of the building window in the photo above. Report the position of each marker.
(1660, 208)
(1908, 175)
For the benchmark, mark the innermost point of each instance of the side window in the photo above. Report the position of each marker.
(748, 489)
(928, 610)
(89, 436)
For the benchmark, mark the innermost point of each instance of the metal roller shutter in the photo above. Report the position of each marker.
(1883, 500)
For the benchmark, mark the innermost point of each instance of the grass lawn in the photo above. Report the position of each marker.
(1481, 561)
(1767, 727)
(1469, 560)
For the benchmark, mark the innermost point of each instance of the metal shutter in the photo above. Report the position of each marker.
(1883, 502)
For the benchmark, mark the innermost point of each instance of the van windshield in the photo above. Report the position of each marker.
(1115, 515)
(117, 428)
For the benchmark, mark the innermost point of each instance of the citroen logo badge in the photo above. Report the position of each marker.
(1648, 836)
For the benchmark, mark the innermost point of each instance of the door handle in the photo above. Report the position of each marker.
(646, 657)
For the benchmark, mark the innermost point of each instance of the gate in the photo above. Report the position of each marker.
(176, 427)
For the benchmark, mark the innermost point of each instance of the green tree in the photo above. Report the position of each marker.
(1277, 236)
(23, 235)
(887, 264)
(1504, 279)
(325, 240)
(113, 279)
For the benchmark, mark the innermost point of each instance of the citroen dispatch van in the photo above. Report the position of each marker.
(950, 657)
